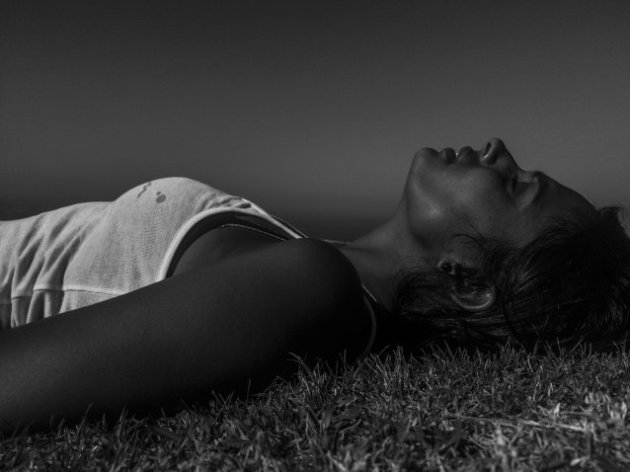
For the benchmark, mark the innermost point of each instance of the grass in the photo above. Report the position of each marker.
(443, 411)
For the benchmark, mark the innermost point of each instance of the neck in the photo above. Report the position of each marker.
(376, 258)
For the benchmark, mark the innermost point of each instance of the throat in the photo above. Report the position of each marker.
(375, 273)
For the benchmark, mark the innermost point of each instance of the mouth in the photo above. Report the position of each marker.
(448, 154)
(464, 152)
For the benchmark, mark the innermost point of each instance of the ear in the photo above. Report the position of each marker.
(469, 296)
(475, 298)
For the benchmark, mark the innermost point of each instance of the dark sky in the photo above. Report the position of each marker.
(312, 109)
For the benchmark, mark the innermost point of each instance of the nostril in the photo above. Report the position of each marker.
(492, 150)
(486, 148)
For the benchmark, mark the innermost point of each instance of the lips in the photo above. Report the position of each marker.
(448, 154)
(463, 152)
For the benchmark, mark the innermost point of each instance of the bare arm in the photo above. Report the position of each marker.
(215, 327)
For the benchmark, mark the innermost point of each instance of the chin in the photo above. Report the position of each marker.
(425, 161)
(425, 153)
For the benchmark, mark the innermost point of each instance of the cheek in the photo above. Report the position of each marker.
(466, 204)
(426, 196)
(484, 208)
(431, 205)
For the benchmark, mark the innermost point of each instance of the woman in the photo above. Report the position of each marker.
(176, 288)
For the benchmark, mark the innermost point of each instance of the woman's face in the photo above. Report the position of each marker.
(482, 192)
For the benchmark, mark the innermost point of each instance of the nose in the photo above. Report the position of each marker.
(491, 151)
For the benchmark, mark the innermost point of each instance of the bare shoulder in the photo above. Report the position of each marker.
(321, 263)
(325, 293)
(305, 285)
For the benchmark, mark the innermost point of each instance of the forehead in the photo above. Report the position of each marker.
(557, 198)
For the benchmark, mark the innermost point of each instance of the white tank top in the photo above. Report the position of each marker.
(82, 254)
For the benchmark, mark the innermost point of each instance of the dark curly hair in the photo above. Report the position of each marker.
(570, 285)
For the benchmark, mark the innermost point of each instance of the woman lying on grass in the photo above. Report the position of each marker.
(176, 288)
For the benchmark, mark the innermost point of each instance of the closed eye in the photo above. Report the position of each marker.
(518, 186)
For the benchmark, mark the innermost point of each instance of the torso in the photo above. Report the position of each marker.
(219, 243)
